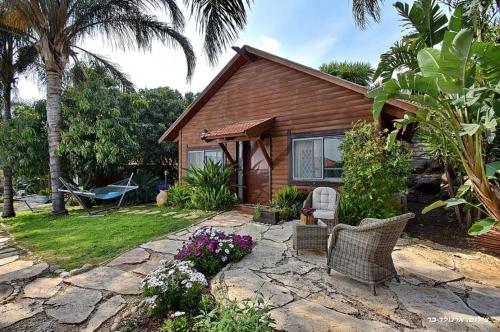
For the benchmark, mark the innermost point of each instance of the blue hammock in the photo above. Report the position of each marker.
(109, 192)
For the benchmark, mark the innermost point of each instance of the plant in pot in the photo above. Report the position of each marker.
(307, 216)
(266, 216)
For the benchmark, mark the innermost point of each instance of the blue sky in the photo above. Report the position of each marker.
(310, 32)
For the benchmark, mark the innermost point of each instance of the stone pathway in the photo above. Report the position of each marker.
(441, 289)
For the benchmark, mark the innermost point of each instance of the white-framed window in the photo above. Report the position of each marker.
(317, 158)
(197, 158)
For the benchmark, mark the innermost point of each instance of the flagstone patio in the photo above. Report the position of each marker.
(441, 289)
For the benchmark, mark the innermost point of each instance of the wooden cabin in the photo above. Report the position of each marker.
(279, 121)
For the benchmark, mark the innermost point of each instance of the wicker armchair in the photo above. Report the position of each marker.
(364, 252)
(326, 202)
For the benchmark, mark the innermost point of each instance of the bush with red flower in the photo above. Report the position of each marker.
(210, 249)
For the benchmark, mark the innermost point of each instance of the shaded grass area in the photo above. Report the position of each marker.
(76, 239)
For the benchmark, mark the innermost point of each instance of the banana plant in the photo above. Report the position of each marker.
(457, 90)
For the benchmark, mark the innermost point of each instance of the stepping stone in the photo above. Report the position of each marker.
(334, 301)
(293, 265)
(153, 212)
(73, 305)
(110, 279)
(303, 315)
(485, 300)
(7, 250)
(265, 254)
(24, 273)
(143, 211)
(14, 312)
(5, 291)
(8, 260)
(148, 267)
(165, 246)
(167, 214)
(410, 264)
(42, 288)
(244, 284)
(14, 266)
(133, 256)
(297, 284)
(180, 216)
(281, 234)
(4, 239)
(9, 254)
(105, 311)
(253, 229)
(433, 302)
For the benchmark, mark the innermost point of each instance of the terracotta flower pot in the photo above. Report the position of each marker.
(306, 220)
(161, 198)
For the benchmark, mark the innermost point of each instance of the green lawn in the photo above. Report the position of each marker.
(73, 240)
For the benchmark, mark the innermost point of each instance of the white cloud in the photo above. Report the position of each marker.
(269, 44)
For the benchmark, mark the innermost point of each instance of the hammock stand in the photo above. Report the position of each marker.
(27, 199)
(109, 192)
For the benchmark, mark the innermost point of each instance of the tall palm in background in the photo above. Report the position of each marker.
(353, 71)
(426, 24)
(16, 56)
(58, 26)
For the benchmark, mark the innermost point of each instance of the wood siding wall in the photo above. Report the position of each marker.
(301, 104)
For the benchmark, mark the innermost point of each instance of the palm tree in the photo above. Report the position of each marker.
(426, 25)
(356, 72)
(15, 57)
(365, 10)
(59, 25)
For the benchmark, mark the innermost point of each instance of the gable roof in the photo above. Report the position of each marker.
(248, 54)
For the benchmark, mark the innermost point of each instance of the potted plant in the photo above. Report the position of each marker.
(265, 215)
(306, 216)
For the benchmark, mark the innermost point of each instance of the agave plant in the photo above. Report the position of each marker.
(210, 186)
(457, 90)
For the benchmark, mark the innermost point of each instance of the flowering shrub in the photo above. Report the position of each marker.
(210, 249)
(173, 288)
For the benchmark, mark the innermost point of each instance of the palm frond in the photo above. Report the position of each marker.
(356, 72)
(219, 22)
(402, 55)
(364, 10)
(425, 19)
(112, 69)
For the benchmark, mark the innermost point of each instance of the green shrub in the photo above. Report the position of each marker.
(179, 195)
(373, 176)
(147, 188)
(172, 288)
(231, 317)
(210, 187)
(176, 324)
(288, 201)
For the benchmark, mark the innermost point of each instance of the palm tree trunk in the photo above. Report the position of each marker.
(8, 191)
(54, 121)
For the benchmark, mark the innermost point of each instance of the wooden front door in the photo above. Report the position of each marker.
(256, 173)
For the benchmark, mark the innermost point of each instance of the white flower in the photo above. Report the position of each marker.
(178, 313)
(189, 285)
(231, 245)
(224, 258)
(226, 251)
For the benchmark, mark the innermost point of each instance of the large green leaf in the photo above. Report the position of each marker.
(428, 61)
(492, 169)
(455, 54)
(456, 20)
(487, 55)
(448, 203)
(482, 226)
